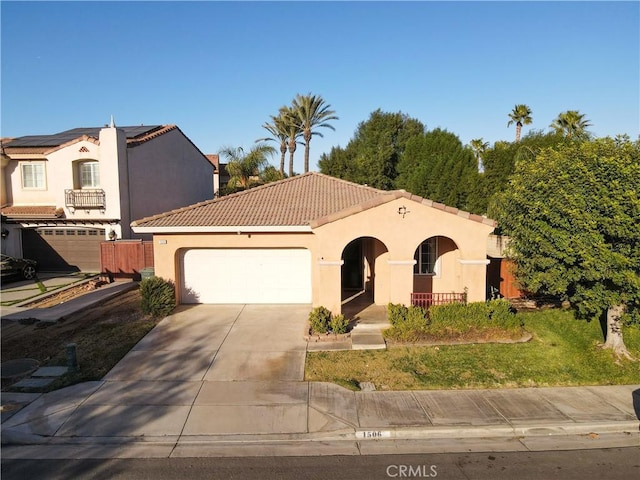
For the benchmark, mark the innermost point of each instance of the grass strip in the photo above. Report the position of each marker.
(563, 351)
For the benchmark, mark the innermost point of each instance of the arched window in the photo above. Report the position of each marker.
(425, 257)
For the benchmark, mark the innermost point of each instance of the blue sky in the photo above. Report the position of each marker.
(219, 69)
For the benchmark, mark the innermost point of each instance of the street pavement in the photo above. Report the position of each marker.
(228, 380)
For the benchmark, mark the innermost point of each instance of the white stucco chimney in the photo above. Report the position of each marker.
(114, 177)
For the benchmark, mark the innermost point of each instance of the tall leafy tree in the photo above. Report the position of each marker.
(371, 157)
(436, 165)
(245, 167)
(280, 134)
(338, 163)
(270, 174)
(520, 115)
(500, 162)
(312, 113)
(573, 216)
(572, 124)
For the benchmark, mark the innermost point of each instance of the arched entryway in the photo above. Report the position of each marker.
(362, 272)
(436, 270)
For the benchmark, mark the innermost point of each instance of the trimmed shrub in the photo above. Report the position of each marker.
(319, 319)
(407, 323)
(158, 296)
(338, 324)
(396, 313)
(417, 318)
(410, 324)
(501, 313)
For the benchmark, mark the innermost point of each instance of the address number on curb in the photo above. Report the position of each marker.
(373, 434)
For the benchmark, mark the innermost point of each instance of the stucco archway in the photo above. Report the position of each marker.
(364, 274)
(437, 268)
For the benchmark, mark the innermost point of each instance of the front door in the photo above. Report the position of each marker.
(353, 266)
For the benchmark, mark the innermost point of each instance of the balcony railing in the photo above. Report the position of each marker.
(425, 300)
(85, 198)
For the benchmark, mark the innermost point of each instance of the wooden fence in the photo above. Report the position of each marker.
(125, 258)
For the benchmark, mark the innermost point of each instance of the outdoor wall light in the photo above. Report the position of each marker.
(403, 211)
(112, 235)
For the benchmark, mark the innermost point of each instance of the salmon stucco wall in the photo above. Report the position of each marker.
(462, 263)
(401, 226)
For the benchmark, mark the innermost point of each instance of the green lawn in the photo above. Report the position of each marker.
(563, 351)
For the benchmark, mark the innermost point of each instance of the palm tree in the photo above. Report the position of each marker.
(244, 167)
(294, 132)
(312, 113)
(479, 146)
(279, 133)
(520, 115)
(571, 123)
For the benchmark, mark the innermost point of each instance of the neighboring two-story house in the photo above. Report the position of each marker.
(220, 175)
(64, 194)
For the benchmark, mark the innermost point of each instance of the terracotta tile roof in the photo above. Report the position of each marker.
(30, 150)
(214, 159)
(133, 142)
(311, 199)
(31, 212)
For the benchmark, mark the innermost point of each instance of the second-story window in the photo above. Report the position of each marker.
(33, 175)
(89, 175)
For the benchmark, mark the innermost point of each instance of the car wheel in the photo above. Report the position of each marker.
(29, 272)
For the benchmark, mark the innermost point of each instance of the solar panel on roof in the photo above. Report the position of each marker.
(69, 135)
(133, 132)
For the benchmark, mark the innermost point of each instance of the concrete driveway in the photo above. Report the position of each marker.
(221, 343)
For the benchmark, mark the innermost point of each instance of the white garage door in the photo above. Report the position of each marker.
(246, 276)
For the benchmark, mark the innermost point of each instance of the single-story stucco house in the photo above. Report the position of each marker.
(319, 240)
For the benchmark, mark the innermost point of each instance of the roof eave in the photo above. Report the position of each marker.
(239, 229)
(26, 156)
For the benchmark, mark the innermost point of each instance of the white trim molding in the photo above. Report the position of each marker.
(402, 262)
(474, 262)
(331, 263)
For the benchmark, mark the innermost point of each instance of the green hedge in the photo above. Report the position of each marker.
(158, 296)
(412, 323)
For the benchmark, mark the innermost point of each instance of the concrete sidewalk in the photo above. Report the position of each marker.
(229, 381)
(210, 418)
(57, 312)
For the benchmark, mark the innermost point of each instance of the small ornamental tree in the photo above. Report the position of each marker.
(573, 216)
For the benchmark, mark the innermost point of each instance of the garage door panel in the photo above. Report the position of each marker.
(246, 276)
(63, 249)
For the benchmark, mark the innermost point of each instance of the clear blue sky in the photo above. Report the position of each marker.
(219, 69)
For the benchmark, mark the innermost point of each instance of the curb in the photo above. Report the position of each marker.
(490, 431)
(13, 436)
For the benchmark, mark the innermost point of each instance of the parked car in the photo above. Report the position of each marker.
(18, 267)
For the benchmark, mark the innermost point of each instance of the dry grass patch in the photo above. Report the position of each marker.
(103, 335)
